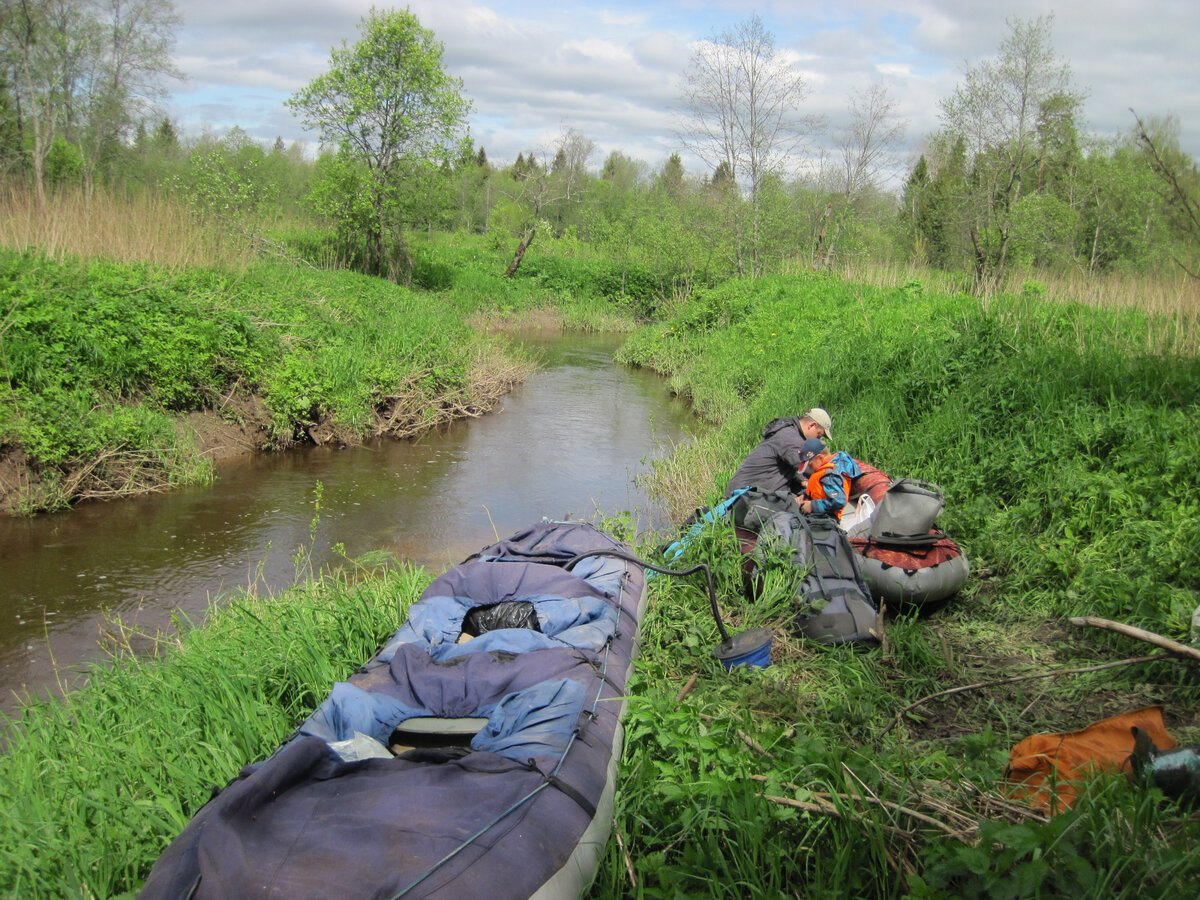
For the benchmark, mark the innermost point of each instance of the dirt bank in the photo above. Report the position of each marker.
(242, 424)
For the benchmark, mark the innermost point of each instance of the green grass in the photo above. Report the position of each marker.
(1067, 453)
(98, 359)
(93, 787)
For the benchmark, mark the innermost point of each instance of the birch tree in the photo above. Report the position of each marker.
(743, 98)
(996, 110)
(387, 103)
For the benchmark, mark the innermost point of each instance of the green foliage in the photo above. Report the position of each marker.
(1070, 486)
(64, 163)
(98, 356)
(388, 105)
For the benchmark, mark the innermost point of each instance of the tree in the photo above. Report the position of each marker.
(867, 146)
(742, 97)
(869, 142)
(996, 110)
(671, 177)
(386, 103)
(85, 71)
(620, 170)
(576, 152)
(11, 156)
(134, 41)
(36, 82)
(1179, 186)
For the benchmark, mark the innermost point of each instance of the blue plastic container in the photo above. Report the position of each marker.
(750, 648)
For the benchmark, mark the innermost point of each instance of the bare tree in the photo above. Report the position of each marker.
(84, 70)
(996, 109)
(742, 97)
(133, 59)
(866, 147)
(870, 141)
(1179, 183)
(576, 151)
(535, 188)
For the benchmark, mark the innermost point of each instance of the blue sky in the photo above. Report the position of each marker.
(611, 71)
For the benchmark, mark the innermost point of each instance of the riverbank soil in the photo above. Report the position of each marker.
(239, 427)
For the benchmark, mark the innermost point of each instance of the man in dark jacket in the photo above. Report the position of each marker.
(774, 465)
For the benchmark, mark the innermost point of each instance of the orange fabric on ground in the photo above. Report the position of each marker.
(1043, 767)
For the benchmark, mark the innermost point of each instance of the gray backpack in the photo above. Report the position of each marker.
(906, 513)
(834, 600)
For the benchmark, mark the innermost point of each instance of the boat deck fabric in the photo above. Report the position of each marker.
(510, 810)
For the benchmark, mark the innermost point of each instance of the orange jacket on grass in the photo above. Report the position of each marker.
(1045, 769)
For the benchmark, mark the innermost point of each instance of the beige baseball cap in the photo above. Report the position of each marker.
(821, 417)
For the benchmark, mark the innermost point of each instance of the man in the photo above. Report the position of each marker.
(774, 465)
(828, 487)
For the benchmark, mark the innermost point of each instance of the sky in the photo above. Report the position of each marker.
(612, 71)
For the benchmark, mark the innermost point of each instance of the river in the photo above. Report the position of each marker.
(569, 442)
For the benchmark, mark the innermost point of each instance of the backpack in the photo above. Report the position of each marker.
(833, 598)
(906, 513)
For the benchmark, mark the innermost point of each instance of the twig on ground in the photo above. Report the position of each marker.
(1148, 636)
(687, 688)
(628, 861)
(746, 739)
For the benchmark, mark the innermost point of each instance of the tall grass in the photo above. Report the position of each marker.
(95, 785)
(143, 227)
(1171, 300)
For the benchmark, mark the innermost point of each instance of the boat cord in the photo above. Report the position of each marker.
(621, 554)
(552, 780)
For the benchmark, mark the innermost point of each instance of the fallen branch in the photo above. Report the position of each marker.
(687, 688)
(825, 801)
(1148, 636)
(746, 739)
(1015, 678)
(827, 808)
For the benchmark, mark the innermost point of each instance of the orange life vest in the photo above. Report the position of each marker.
(816, 491)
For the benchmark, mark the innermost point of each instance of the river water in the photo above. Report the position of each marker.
(567, 443)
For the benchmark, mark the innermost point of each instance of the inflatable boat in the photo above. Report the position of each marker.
(919, 571)
(920, 577)
(474, 755)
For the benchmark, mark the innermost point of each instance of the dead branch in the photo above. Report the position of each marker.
(1148, 636)
(687, 688)
(746, 739)
(628, 860)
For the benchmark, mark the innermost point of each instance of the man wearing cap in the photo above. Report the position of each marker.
(774, 465)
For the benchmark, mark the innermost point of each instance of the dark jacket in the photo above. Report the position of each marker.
(773, 465)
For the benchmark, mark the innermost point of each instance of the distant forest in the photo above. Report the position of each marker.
(1009, 185)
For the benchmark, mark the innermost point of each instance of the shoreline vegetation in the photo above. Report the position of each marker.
(1062, 428)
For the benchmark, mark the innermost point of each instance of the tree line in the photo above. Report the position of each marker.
(1010, 181)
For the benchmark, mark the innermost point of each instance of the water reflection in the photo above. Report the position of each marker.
(566, 444)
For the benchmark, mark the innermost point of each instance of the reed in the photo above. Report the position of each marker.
(147, 226)
(1172, 299)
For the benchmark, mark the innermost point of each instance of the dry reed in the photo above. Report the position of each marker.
(147, 227)
(1172, 300)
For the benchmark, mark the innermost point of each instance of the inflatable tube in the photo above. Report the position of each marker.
(907, 577)
(871, 482)
(483, 775)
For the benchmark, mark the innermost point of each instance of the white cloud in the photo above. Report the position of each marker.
(613, 71)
